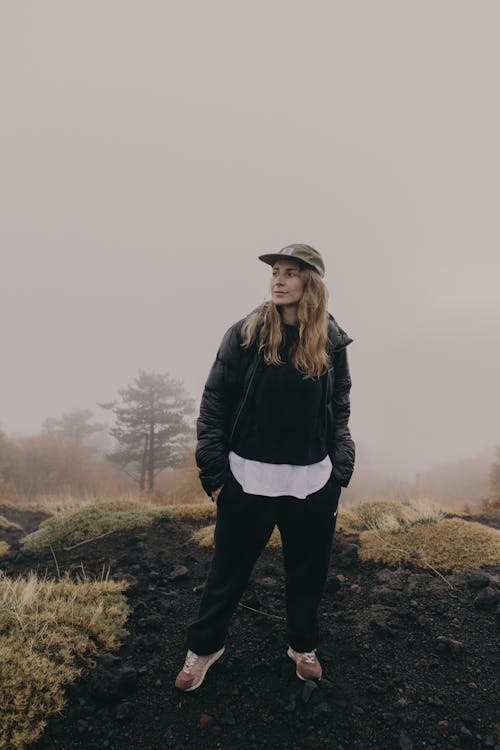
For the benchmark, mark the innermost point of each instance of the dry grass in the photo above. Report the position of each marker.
(347, 520)
(91, 522)
(4, 548)
(55, 503)
(389, 515)
(6, 524)
(205, 537)
(369, 513)
(451, 545)
(49, 633)
(196, 512)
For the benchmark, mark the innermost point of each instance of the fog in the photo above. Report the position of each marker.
(151, 151)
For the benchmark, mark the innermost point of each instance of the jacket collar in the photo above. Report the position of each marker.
(337, 336)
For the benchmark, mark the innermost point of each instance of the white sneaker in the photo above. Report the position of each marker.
(195, 668)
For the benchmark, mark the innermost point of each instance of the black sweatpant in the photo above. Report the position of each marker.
(244, 524)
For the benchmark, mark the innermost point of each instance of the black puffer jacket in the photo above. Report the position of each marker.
(232, 378)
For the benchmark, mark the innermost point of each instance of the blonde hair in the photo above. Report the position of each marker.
(309, 356)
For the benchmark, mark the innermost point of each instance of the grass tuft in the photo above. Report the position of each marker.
(49, 633)
(205, 537)
(4, 548)
(6, 524)
(388, 515)
(76, 526)
(347, 520)
(195, 512)
(451, 545)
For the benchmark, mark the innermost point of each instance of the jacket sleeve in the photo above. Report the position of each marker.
(342, 451)
(216, 411)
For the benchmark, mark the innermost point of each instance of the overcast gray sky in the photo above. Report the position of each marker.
(151, 150)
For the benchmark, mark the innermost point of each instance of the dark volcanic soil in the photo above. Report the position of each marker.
(409, 658)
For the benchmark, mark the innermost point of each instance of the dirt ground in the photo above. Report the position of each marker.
(410, 659)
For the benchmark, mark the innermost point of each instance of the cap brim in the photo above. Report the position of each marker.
(271, 259)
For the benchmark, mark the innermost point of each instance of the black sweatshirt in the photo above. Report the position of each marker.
(280, 425)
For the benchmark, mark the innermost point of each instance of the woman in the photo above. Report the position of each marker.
(274, 448)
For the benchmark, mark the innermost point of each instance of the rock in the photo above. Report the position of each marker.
(291, 705)
(348, 557)
(123, 710)
(171, 594)
(332, 585)
(487, 599)
(267, 582)
(384, 576)
(325, 684)
(435, 700)
(227, 719)
(376, 689)
(466, 735)
(380, 626)
(385, 594)
(205, 721)
(447, 645)
(405, 742)
(112, 685)
(478, 580)
(355, 588)
(152, 622)
(179, 572)
(109, 660)
(310, 741)
(322, 709)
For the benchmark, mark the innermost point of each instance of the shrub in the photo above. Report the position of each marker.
(452, 545)
(49, 633)
(87, 523)
(389, 515)
(369, 514)
(347, 520)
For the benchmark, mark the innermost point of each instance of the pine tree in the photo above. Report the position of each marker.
(152, 428)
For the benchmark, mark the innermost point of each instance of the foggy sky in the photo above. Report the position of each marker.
(151, 150)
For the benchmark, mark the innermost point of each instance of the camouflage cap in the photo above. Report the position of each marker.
(303, 254)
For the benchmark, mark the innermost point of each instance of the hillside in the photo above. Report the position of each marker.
(409, 654)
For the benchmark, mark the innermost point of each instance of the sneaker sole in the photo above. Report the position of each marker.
(214, 658)
(304, 679)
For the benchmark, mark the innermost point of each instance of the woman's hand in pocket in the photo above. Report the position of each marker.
(216, 493)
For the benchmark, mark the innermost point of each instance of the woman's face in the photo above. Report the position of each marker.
(286, 283)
